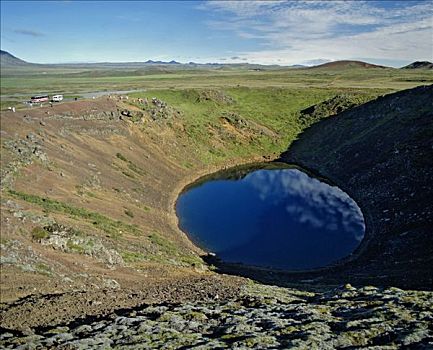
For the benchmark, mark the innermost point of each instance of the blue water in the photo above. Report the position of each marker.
(271, 217)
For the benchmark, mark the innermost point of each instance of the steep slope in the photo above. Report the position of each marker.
(381, 153)
(346, 64)
(331, 107)
(419, 65)
(8, 60)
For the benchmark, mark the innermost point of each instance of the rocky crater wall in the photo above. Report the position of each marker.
(382, 154)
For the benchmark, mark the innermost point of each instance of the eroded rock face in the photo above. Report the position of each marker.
(90, 115)
(26, 151)
(216, 96)
(71, 241)
(261, 317)
(331, 107)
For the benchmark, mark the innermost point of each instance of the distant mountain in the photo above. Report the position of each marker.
(419, 65)
(161, 62)
(346, 65)
(8, 60)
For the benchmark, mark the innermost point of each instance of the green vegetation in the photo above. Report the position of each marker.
(5, 104)
(239, 122)
(43, 269)
(333, 106)
(75, 247)
(128, 174)
(135, 168)
(129, 213)
(169, 251)
(39, 233)
(121, 157)
(82, 191)
(112, 227)
(191, 260)
(196, 316)
(72, 81)
(85, 245)
(132, 166)
(132, 257)
(4, 241)
(162, 242)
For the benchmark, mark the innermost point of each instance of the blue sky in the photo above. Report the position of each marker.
(268, 32)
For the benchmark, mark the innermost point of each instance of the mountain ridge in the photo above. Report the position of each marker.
(346, 64)
(419, 65)
(7, 59)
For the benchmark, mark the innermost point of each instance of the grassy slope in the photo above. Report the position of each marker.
(271, 115)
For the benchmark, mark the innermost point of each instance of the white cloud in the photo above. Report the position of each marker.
(242, 9)
(300, 31)
(311, 202)
(29, 32)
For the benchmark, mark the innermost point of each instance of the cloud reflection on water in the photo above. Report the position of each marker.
(316, 203)
(272, 217)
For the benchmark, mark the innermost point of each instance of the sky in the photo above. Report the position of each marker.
(388, 32)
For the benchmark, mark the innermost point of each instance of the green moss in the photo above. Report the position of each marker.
(323, 309)
(75, 247)
(91, 194)
(131, 257)
(229, 336)
(4, 240)
(129, 213)
(196, 315)
(192, 260)
(131, 166)
(289, 330)
(39, 233)
(167, 316)
(135, 168)
(121, 157)
(168, 252)
(188, 165)
(128, 174)
(163, 243)
(260, 341)
(43, 269)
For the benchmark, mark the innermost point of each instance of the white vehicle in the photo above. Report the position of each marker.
(57, 98)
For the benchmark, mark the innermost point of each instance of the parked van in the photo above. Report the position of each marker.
(39, 98)
(57, 98)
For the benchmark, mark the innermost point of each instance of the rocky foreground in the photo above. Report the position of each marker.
(261, 317)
